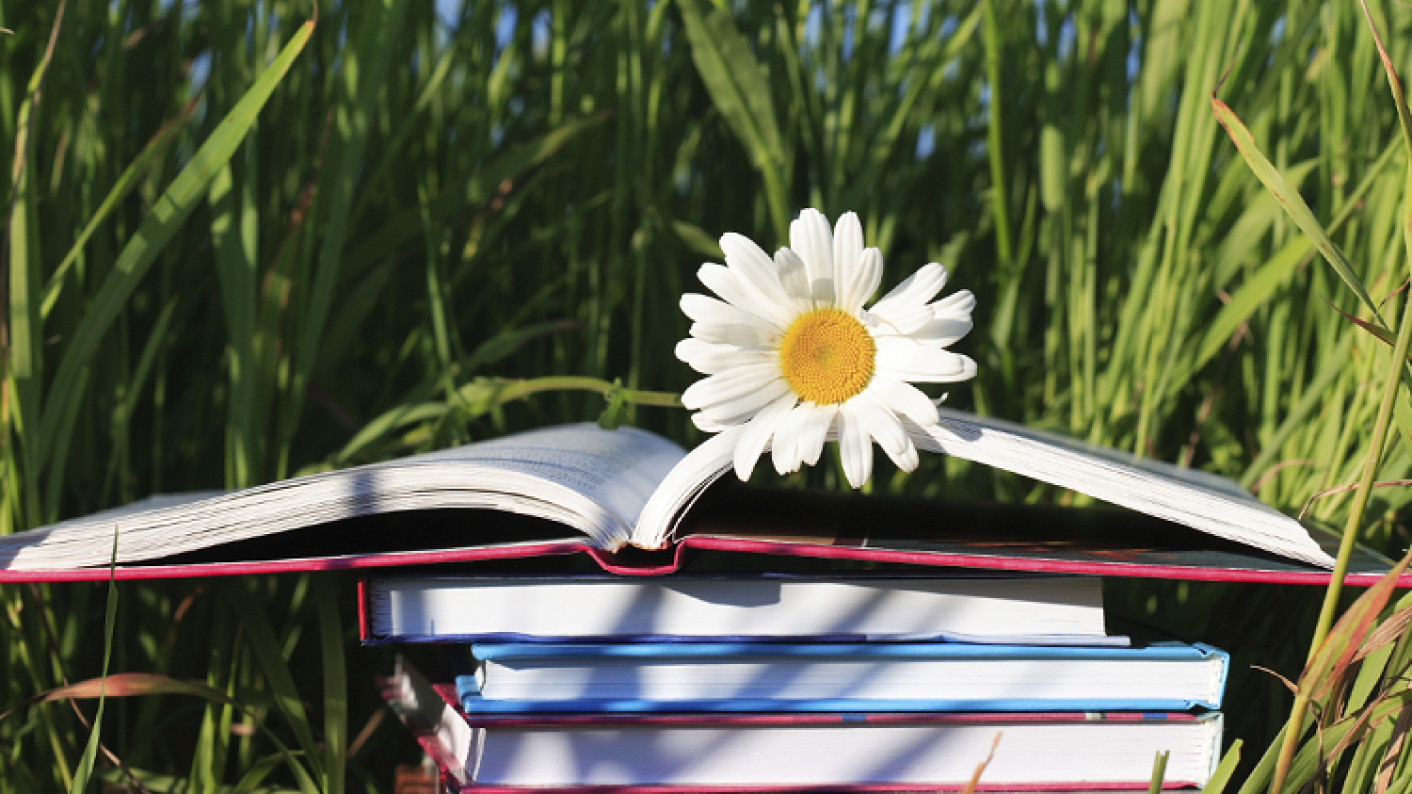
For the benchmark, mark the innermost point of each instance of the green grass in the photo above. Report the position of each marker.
(218, 273)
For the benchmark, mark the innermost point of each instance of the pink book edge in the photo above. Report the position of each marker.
(610, 563)
(813, 718)
(450, 784)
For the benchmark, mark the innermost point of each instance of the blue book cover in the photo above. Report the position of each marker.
(523, 678)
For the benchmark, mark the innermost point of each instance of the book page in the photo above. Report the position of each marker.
(1195, 499)
(588, 479)
(618, 469)
(1198, 500)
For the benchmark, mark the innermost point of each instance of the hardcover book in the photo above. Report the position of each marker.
(981, 607)
(530, 678)
(579, 489)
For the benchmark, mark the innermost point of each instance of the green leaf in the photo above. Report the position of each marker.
(1289, 197)
(269, 655)
(506, 342)
(1402, 414)
(1404, 118)
(90, 753)
(1222, 776)
(732, 75)
(1339, 650)
(696, 238)
(1053, 167)
(1253, 293)
(1319, 751)
(156, 230)
(387, 422)
(155, 148)
(741, 94)
(144, 684)
(1159, 772)
(615, 414)
(360, 79)
(335, 684)
(406, 226)
(1381, 334)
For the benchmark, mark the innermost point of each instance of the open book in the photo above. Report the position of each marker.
(580, 488)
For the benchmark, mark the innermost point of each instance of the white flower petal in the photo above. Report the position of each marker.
(794, 277)
(968, 370)
(706, 425)
(738, 410)
(735, 342)
(720, 280)
(784, 448)
(879, 423)
(883, 425)
(816, 432)
(847, 253)
(917, 290)
(709, 359)
(755, 270)
(898, 321)
(905, 399)
(709, 310)
(907, 459)
(908, 360)
(957, 305)
(942, 332)
(810, 237)
(856, 289)
(757, 434)
(728, 386)
(855, 447)
(744, 336)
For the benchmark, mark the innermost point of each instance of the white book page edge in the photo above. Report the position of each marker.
(591, 480)
(1198, 500)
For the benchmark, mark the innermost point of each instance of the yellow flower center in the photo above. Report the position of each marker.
(827, 356)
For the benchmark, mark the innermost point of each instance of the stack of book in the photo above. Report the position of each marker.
(793, 683)
(763, 683)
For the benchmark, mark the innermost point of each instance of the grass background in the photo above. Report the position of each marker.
(218, 272)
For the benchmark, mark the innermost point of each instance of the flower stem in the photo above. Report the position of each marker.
(519, 389)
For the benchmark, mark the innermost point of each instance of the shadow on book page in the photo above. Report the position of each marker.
(1017, 537)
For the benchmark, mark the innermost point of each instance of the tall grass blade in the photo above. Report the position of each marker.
(335, 685)
(1221, 778)
(376, 34)
(1290, 199)
(270, 657)
(739, 91)
(84, 770)
(157, 229)
(122, 685)
(130, 178)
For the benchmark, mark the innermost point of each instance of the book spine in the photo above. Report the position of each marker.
(1083, 786)
(364, 636)
(474, 703)
(767, 719)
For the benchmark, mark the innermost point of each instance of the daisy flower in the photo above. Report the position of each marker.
(794, 358)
